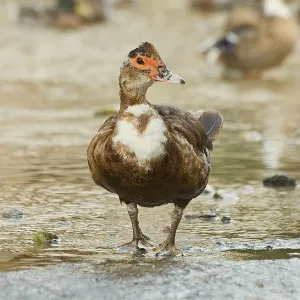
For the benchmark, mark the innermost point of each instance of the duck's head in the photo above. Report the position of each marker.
(143, 66)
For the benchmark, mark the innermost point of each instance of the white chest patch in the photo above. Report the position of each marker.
(146, 145)
(141, 109)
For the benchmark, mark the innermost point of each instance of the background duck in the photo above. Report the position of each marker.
(150, 155)
(68, 13)
(257, 37)
(211, 5)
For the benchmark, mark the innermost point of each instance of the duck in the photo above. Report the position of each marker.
(67, 14)
(211, 5)
(257, 38)
(151, 155)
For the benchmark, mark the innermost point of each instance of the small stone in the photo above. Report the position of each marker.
(279, 181)
(44, 238)
(226, 220)
(217, 196)
(12, 213)
(211, 215)
(193, 216)
(269, 248)
(228, 195)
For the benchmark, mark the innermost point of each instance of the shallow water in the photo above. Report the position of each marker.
(52, 82)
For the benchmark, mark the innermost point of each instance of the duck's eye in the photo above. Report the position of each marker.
(140, 61)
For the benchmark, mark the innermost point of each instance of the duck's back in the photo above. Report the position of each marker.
(243, 13)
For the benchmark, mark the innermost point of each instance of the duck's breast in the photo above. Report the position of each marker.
(141, 132)
(147, 161)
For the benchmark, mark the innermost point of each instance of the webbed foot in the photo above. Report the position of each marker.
(167, 249)
(136, 244)
(145, 237)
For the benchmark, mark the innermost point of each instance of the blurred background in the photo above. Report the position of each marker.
(59, 67)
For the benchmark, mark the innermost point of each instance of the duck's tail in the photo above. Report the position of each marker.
(212, 123)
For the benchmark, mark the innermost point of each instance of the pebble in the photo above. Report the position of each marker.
(12, 213)
(211, 215)
(279, 180)
(226, 220)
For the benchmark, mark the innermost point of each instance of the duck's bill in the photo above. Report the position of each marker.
(169, 77)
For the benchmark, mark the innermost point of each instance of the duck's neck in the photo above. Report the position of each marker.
(132, 95)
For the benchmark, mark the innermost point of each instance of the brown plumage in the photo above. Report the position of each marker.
(211, 5)
(257, 37)
(150, 155)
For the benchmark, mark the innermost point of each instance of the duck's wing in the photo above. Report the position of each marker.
(199, 129)
(100, 143)
(109, 124)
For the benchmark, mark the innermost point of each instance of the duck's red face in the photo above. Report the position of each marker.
(146, 59)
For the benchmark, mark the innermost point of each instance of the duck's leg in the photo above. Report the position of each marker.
(168, 246)
(138, 236)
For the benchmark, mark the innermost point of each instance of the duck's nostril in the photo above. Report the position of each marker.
(162, 71)
(182, 81)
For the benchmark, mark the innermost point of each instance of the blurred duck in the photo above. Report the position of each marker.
(211, 5)
(67, 13)
(256, 37)
(120, 3)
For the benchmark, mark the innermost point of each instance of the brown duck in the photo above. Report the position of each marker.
(150, 155)
(67, 13)
(259, 35)
(211, 5)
